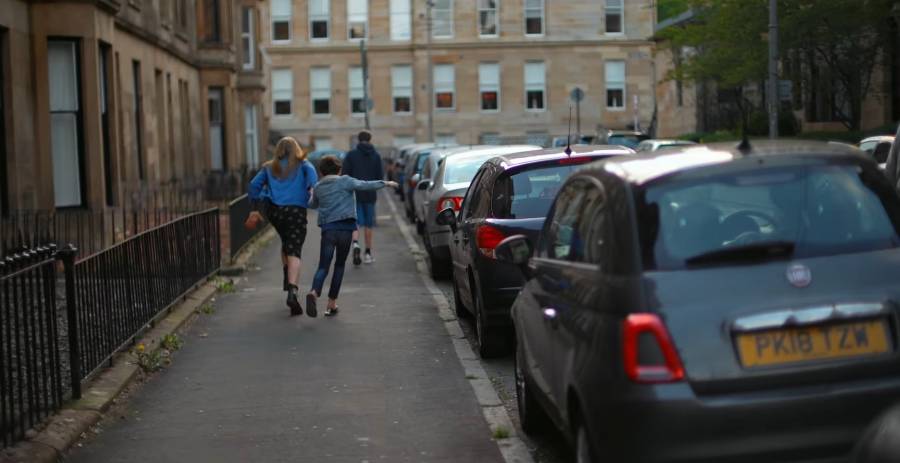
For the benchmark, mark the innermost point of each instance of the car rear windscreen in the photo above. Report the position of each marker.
(811, 210)
(528, 194)
(462, 169)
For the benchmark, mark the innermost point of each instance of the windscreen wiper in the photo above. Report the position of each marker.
(748, 252)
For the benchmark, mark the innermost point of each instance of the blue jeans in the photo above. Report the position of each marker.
(332, 240)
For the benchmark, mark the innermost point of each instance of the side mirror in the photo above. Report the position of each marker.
(514, 250)
(447, 217)
(423, 185)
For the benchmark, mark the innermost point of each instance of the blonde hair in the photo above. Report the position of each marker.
(288, 148)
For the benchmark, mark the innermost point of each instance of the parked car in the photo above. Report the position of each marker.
(397, 170)
(562, 141)
(317, 155)
(510, 195)
(626, 138)
(423, 187)
(712, 304)
(448, 187)
(412, 171)
(656, 145)
(878, 147)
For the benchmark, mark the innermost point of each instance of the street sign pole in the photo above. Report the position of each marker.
(773, 98)
(576, 95)
(365, 80)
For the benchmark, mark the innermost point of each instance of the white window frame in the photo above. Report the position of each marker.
(543, 10)
(401, 91)
(355, 89)
(326, 16)
(531, 86)
(615, 85)
(620, 8)
(449, 12)
(496, 11)
(484, 86)
(278, 94)
(401, 15)
(251, 135)
(350, 20)
(249, 61)
(288, 17)
(438, 87)
(313, 91)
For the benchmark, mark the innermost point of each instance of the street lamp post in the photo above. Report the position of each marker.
(774, 98)
(429, 5)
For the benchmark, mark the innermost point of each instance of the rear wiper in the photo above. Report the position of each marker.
(748, 252)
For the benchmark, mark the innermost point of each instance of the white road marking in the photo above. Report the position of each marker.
(512, 448)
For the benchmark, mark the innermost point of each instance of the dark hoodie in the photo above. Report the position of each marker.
(364, 163)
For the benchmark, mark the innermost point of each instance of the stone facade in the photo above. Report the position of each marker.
(574, 46)
(132, 112)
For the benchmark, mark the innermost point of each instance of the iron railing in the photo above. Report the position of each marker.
(120, 291)
(238, 235)
(32, 373)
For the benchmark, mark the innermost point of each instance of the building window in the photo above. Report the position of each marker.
(444, 86)
(401, 85)
(65, 121)
(445, 139)
(137, 109)
(320, 90)
(212, 29)
(248, 37)
(442, 19)
(216, 106)
(615, 84)
(536, 138)
(489, 86)
(281, 21)
(401, 20)
(488, 19)
(282, 91)
(534, 17)
(357, 93)
(490, 138)
(319, 19)
(251, 136)
(322, 143)
(535, 86)
(614, 13)
(403, 140)
(357, 19)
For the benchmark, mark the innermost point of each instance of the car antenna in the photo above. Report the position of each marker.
(569, 135)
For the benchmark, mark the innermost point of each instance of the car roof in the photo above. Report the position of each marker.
(653, 166)
(495, 150)
(878, 138)
(510, 160)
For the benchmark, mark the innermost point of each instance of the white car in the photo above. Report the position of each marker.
(879, 147)
(648, 146)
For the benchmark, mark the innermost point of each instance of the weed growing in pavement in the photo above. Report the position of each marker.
(225, 286)
(471, 377)
(149, 361)
(171, 342)
(500, 432)
(207, 309)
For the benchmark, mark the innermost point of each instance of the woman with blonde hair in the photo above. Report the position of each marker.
(290, 179)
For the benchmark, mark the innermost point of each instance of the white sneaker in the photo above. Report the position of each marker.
(368, 259)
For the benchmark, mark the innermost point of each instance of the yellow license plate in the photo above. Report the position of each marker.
(791, 345)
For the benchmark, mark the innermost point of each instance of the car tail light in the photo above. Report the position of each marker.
(577, 160)
(454, 202)
(487, 238)
(668, 369)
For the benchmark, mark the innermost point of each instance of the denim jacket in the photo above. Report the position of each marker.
(334, 197)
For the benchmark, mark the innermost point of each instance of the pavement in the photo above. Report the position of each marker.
(379, 382)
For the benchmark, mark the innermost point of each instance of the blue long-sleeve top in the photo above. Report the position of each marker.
(334, 197)
(293, 190)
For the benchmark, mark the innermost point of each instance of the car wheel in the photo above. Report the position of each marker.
(531, 414)
(491, 341)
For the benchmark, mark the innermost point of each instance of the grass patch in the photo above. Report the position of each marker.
(207, 309)
(500, 432)
(225, 286)
(171, 342)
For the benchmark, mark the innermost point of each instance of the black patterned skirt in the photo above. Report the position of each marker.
(290, 223)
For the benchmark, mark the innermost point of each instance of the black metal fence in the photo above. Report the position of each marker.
(32, 374)
(238, 210)
(49, 347)
(121, 290)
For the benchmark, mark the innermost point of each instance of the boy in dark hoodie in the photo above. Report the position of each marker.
(364, 163)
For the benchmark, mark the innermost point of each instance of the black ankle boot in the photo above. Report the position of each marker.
(292, 301)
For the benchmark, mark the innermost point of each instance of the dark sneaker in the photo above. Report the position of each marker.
(311, 305)
(293, 303)
(331, 311)
(285, 283)
(357, 258)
